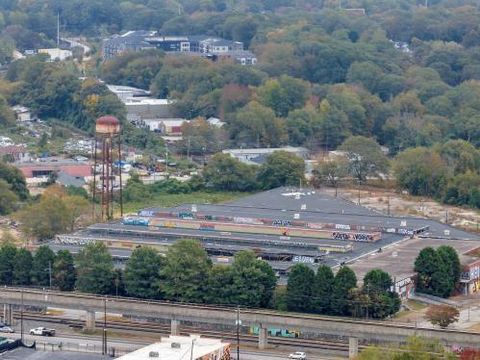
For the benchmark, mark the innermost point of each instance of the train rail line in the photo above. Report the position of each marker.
(164, 329)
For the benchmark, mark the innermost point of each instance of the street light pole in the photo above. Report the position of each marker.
(191, 350)
(104, 345)
(21, 318)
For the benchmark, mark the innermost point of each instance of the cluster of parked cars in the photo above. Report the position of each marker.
(41, 331)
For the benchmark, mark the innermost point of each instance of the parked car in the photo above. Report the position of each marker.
(298, 355)
(42, 331)
(6, 329)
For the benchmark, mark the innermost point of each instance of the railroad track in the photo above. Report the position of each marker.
(164, 329)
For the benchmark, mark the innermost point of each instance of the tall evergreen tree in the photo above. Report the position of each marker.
(323, 290)
(7, 261)
(300, 288)
(345, 281)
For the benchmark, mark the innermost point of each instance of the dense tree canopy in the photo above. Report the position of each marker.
(142, 273)
(95, 269)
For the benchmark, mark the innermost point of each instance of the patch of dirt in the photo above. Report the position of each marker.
(390, 202)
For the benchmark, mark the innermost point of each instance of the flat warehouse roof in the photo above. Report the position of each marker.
(398, 260)
(284, 202)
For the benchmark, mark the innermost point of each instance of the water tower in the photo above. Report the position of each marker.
(107, 151)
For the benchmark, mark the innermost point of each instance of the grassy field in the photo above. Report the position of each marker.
(169, 200)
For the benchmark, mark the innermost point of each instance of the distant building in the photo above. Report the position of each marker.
(213, 121)
(201, 45)
(16, 153)
(22, 113)
(56, 54)
(129, 41)
(124, 93)
(470, 276)
(38, 172)
(167, 126)
(258, 156)
(141, 108)
(175, 348)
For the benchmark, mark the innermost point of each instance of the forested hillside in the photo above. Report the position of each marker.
(403, 72)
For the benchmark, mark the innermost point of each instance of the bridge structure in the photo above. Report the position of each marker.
(354, 330)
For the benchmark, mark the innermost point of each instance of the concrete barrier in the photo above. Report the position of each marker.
(376, 331)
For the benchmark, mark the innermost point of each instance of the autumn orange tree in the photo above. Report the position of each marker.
(442, 315)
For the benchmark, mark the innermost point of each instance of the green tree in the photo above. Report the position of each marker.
(460, 156)
(300, 288)
(43, 262)
(8, 199)
(55, 213)
(281, 168)
(425, 266)
(382, 301)
(421, 171)
(377, 280)
(283, 95)
(226, 173)
(220, 286)
(95, 273)
(345, 281)
(254, 281)
(142, 273)
(365, 157)
(8, 252)
(185, 273)
(22, 268)
(7, 117)
(257, 125)
(463, 189)
(15, 178)
(331, 172)
(415, 348)
(323, 290)
(64, 271)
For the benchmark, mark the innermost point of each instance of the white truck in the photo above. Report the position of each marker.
(42, 331)
(300, 355)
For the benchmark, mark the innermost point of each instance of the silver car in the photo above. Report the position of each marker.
(6, 329)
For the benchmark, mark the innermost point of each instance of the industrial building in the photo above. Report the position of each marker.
(283, 226)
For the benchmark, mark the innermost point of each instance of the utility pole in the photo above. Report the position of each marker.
(238, 332)
(188, 148)
(50, 273)
(388, 205)
(58, 30)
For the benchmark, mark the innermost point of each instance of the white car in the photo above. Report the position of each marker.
(298, 355)
(42, 331)
(6, 329)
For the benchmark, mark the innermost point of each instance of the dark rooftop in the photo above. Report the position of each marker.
(30, 354)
